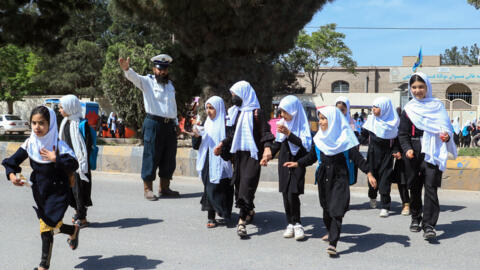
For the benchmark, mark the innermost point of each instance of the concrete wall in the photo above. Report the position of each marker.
(461, 173)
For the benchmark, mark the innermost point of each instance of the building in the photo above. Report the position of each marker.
(457, 86)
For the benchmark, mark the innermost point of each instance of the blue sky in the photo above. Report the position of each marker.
(386, 47)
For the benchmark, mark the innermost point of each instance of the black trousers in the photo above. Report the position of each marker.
(334, 227)
(291, 202)
(404, 194)
(385, 199)
(159, 149)
(47, 244)
(429, 178)
(82, 195)
(246, 177)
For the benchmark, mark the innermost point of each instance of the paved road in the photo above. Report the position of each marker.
(130, 233)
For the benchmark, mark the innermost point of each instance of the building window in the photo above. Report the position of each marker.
(459, 91)
(340, 87)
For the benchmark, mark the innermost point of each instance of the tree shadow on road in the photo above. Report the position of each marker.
(457, 228)
(367, 242)
(125, 223)
(451, 208)
(136, 262)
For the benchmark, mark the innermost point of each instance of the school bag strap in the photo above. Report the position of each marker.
(93, 151)
(350, 166)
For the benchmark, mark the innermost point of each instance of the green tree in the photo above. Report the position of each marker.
(475, 3)
(76, 71)
(284, 79)
(463, 56)
(231, 40)
(18, 68)
(76, 66)
(324, 48)
(37, 23)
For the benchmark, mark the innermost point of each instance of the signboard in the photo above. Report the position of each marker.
(447, 74)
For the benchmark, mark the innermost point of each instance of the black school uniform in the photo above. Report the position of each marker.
(332, 177)
(291, 181)
(216, 198)
(50, 184)
(51, 192)
(400, 179)
(82, 190)
(419, 174)
(246, 173)
(380, 161)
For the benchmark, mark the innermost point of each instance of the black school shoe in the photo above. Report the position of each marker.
(429, 233)
(415, 226)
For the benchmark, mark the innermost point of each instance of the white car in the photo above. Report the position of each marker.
(12, 123)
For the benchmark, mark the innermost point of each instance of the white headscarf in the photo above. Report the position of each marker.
(298, 125)
(243, 138)
(232, 115)
(348, 116)
(429, 115)
(384, 126)
(338, 137)
(71, 106)
(34, 144)
(111, 119)
(213, 134)
(456, 125)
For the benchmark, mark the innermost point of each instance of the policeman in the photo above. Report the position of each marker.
(159, 127)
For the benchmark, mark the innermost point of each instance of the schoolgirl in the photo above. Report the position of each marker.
(249, 140)
(71, 110)
(426, 137)
(380, 132)
(293, 141)
(335, 148)
(52, 162)
(215, 173)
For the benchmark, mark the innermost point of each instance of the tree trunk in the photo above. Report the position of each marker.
(219, 74)
(10, 107)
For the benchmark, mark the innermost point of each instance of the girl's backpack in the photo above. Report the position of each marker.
(93, 152)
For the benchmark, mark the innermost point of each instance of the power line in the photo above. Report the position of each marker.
(403, 28)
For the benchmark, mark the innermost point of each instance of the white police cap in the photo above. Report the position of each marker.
(162, 60)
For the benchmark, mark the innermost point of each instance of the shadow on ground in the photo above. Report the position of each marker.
(367, 242)
(125, 223)
(182, 196)
(457, 228)
(136, 262)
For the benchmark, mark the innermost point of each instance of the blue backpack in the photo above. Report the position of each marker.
(350, 166)
(92, 157)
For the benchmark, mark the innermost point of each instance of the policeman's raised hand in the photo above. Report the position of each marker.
(124, 64)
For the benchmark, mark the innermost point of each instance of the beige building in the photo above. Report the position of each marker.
(458, 86)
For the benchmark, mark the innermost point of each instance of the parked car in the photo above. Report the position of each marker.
(12, 123)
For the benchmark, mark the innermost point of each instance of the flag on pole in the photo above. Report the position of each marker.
(418, 62)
